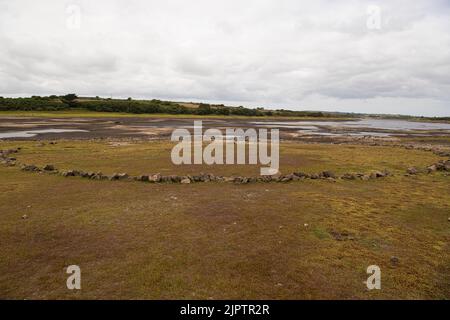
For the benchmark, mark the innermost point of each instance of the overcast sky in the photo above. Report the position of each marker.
(358, 56)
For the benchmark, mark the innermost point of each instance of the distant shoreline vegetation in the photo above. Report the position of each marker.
(154, 106)
(72, 101)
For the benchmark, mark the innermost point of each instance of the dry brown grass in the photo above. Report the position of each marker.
(142, 158)
(218, 240)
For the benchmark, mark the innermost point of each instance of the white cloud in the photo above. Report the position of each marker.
(284, 53)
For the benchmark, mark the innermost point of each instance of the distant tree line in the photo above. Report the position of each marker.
(71, 101)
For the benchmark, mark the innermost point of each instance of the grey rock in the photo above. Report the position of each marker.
(412, 170)
(394, 261)
(123, 176)
(30, 167)
(328, 174)
(143, 178)
(348, 176)
(155, 178)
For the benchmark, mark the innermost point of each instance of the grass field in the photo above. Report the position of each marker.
(306, 239)
(137, 158)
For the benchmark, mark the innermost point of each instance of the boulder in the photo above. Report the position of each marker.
(155, 178)
(431, 168)
(185, 180)
(98, 176)
(394, 261)
(83, 174)
(328, 174)
(123, 176)
(90, 174)
(440, 166)
(204, 177)
(238, 179)
(165, 179)
(301, 175)
(377, 174)
(49, 167)
(342, 235)
(143, 178)
(175, 179)
(30, 167)
(68, 173)
(265, 178)
(8, 162)
(118, 176)
(284, 178)
(348, 176)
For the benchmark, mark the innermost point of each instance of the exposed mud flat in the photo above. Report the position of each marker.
(15, 128)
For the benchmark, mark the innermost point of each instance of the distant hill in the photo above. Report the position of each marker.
(71, 101)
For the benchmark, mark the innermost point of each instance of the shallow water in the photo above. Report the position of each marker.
(317, 127)
(32, 133)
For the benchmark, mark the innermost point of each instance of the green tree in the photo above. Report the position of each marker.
(70, 99)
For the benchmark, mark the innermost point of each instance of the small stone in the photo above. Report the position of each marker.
(123, 176)
(394, 260)
(379, 174)
(175, 178)
(142, 178)
(411, 170)
(185, 181)
(24, 216)
(328, 174)
(155, 178)
(49, 167)
(30, 167)
(348, 176)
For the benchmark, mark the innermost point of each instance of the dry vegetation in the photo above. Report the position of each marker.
(305, 239)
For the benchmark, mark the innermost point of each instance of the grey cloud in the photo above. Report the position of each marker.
(296, 54)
